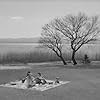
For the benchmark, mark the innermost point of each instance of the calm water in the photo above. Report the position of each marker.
(17, 47)
(29, 47)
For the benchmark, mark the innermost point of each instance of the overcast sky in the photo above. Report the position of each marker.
(24, 18)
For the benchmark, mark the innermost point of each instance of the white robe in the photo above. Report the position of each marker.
(27, 82)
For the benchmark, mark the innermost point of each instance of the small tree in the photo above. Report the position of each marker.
(51, 39)
(86, 59)
(78, 30)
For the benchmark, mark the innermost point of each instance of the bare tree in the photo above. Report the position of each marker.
(51, 39)
(78, 30)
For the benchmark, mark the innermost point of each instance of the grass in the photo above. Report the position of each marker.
(84, 85)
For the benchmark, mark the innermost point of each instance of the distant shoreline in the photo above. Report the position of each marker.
(20, 40)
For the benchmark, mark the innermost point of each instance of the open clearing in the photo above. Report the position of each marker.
(84, 85)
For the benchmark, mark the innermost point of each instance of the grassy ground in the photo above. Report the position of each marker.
(84, 85)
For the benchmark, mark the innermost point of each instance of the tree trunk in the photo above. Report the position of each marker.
(73, 57)
(64, 62)
(61, 57)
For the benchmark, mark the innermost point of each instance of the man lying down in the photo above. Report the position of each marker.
(30, 81)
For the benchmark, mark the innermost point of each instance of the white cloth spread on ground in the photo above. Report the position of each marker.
(20, 85)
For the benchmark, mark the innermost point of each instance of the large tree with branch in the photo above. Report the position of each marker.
(79, 30)
(52, 39)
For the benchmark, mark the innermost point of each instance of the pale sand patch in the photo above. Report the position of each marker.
(13, 67)
(20, 85)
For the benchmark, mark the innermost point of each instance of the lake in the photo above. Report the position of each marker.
(17, 47)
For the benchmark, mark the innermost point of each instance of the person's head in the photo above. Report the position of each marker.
(57, 78)
(39, 74)
(28, 72)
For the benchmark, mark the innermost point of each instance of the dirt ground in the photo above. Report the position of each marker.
(84, 85)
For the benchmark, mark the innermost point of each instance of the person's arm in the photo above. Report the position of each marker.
(23, 80)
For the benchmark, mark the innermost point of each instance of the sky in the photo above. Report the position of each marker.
(25, 18)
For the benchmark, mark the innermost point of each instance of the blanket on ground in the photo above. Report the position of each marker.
(20, 85)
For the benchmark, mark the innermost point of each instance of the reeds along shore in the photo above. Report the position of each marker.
(37, 56)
